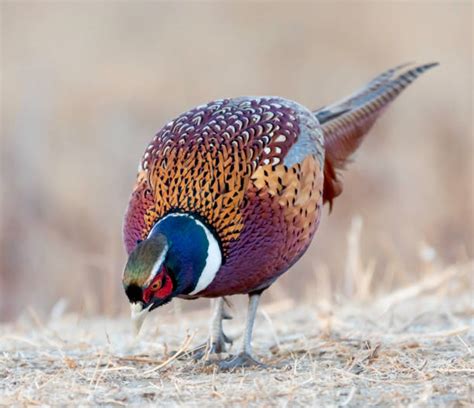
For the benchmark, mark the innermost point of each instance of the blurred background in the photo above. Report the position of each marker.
(86, 85)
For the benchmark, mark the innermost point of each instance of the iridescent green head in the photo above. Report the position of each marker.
(146, 281)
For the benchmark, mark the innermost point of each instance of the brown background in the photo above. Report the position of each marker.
(85, 85)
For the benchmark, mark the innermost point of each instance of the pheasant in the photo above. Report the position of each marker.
(229, 196)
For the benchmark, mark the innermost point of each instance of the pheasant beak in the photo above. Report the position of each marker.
(139, 315)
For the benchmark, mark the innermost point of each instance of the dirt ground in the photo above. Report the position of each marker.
(411, 347)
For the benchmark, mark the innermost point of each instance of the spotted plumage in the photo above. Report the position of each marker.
(234, 188)
(207, 159)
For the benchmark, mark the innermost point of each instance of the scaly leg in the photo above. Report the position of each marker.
(245, 359)
(217, 338)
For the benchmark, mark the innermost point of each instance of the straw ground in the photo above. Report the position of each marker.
(411, 347)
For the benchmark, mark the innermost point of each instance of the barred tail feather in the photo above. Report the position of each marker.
(346, 122)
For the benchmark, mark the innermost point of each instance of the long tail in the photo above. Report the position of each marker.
(345, 123)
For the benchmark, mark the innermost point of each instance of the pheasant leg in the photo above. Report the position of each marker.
(245, 358)
(217, 338)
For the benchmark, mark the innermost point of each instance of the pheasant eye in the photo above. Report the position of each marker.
(156, 285)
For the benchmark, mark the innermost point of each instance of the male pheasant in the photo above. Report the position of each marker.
(229, 195)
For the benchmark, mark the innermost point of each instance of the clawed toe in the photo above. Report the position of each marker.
(196, 353)
(207, 349)
(241, 360)
(199, 352)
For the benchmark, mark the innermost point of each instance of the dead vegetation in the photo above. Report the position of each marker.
(412, 347)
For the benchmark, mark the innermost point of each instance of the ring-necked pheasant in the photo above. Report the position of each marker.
(230, 194)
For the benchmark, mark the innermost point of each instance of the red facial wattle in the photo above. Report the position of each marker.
(161, 287)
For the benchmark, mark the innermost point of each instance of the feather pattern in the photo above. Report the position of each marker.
(256, 172)
(251, 170)
(346, 122)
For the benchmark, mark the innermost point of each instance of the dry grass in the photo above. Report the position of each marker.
(412, 347)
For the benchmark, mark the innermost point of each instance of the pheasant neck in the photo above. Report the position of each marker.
(194, 255)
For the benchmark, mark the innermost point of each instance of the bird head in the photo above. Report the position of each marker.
(146, 281)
